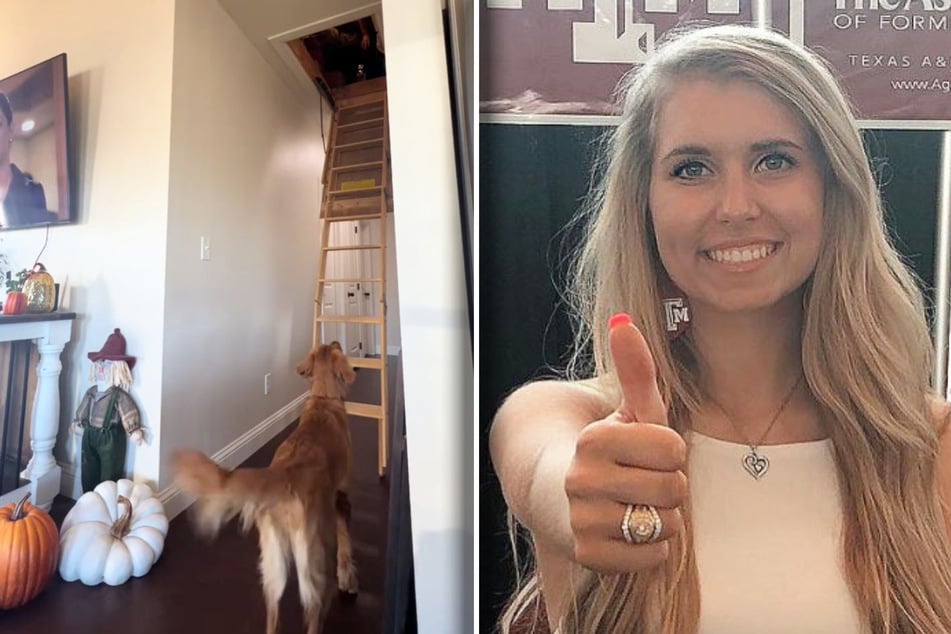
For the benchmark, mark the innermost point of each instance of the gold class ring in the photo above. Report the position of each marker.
(642, 524)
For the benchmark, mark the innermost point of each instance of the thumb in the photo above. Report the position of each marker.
(637, 375)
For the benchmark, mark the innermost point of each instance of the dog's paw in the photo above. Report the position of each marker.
(347, 581)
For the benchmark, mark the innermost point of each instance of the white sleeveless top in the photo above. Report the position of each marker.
(769, 551)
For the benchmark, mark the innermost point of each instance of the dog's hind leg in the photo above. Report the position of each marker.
(347, 581)
(310, 557)
(273, 568)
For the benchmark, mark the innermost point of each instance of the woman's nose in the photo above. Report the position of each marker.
(737, 202)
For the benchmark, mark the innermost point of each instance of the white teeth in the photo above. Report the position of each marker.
(745, 254)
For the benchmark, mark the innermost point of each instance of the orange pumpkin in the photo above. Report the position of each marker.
(15, 303)
(29, 549)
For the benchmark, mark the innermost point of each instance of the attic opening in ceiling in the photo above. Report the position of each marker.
(338, 57)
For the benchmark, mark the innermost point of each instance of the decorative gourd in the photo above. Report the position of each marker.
(14, 303)
(39, 290)
(114, 532)
(28, 552)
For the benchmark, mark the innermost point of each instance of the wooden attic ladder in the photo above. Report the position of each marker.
(357, 188)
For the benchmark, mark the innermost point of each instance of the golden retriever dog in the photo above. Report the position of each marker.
(299, 503)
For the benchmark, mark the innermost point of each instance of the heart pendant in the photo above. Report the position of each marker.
(755, 464)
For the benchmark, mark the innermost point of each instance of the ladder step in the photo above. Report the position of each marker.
(368, 280)
(364, 409)
(348, 111)
(366, 123)
(365, 104)
(363, 92)
(348, 319)
(360, 114)
(359, 144)
(357, 167)
(366, 362)
(356, 185)
(357, 247)
(375, 215)
(338, 192)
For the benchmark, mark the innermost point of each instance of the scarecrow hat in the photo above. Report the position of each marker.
(113, 350)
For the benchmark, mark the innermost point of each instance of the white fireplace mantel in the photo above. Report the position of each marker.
(50, 332)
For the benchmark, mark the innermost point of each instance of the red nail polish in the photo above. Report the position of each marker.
(618, 319)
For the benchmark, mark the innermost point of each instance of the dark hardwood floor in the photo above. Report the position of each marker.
(211, 587)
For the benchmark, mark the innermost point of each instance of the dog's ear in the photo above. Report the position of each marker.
(341, 367)
(306, 367)
(336, 345)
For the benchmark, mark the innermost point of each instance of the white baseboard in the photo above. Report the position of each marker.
(242, 448)
(70, 484)
(175, 500)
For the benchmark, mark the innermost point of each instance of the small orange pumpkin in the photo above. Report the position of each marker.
(29, 550)
(15, 303)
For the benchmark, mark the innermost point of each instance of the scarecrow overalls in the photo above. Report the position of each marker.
(106, 417)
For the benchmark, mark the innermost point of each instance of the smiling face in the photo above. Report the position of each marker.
(736, 196)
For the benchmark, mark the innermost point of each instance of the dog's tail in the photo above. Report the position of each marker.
(223, 494)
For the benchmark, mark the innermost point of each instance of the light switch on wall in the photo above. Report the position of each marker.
(205, 248)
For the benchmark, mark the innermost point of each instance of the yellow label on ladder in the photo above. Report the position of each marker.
(366, 183)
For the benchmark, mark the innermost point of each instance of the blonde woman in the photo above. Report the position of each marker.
(780, 465)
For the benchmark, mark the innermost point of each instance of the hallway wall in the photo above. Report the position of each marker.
(245, 173)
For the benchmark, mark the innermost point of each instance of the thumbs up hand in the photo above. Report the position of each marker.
(630, 457)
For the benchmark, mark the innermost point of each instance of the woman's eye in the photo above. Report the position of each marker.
(689, 169)
(775, 162)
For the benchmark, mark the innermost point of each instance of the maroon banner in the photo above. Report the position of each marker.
(567, 56)
(892, 56)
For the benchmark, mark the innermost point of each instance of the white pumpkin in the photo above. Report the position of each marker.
(114, 532)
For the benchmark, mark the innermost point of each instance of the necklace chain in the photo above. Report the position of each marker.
(772, 422)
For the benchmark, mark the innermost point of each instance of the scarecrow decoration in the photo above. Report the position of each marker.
(107, 413)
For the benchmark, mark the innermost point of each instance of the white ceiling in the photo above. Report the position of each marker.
(262, 21)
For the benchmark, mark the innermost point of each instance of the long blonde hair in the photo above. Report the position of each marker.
(866, 352)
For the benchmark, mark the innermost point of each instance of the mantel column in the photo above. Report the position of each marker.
(42, 471)
(50, 336)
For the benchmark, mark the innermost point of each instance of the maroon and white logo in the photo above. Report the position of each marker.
(567, 56)
(676, 313)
